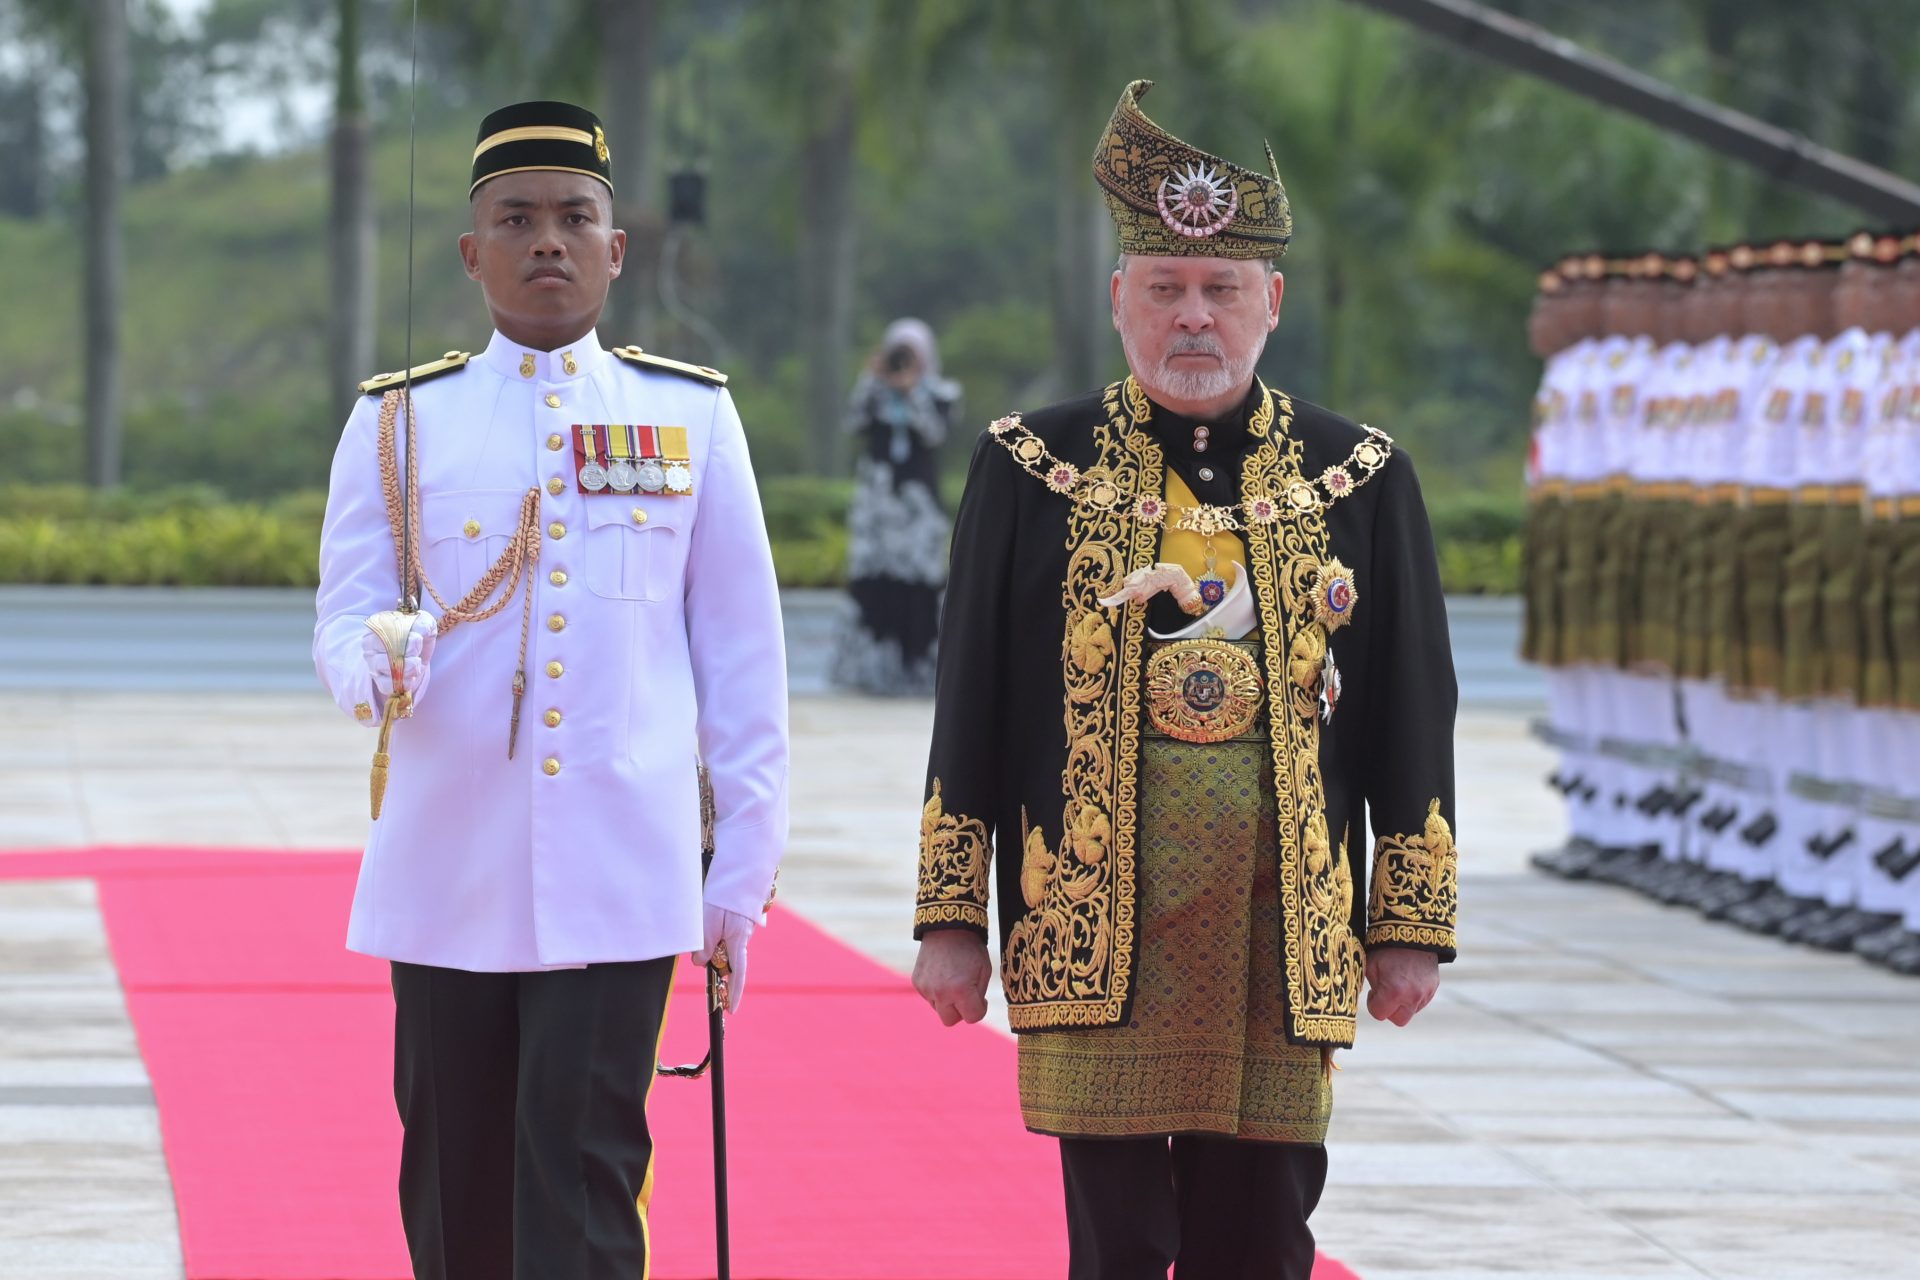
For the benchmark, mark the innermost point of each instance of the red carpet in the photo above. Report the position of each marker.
(869, 1143)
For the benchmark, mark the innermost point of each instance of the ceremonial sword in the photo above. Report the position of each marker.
(714, 1065)
(395, 626)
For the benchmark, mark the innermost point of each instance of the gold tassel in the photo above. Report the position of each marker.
(396, 707)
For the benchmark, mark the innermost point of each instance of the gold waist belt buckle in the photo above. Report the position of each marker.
(1203, 690)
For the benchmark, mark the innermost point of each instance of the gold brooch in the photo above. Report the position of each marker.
(1203, 690)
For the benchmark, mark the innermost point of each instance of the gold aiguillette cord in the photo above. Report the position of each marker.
(512, 572)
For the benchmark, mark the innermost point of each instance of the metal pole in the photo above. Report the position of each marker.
(1778, 153)
(716, 1043)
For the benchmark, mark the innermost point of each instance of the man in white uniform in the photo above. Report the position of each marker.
(1562, 331)
(1834, 467)
(1617, 705)
(1718, 719)
(1890, 825)
(1777, 546)
(599, 614)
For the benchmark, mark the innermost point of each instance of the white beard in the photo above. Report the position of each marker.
(1191, 384)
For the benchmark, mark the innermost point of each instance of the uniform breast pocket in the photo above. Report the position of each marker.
(465, 532)
(634, 547)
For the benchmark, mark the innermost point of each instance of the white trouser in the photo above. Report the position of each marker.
(1803, 750)
(1567, 712)
(1876, 739)
(1644, 710)
(1704, 708)
(1906, 757)
(1748, 725)
(1836, 732)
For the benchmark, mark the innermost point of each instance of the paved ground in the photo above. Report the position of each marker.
(1605, 1088)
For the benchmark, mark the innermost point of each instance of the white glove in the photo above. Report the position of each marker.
(731, 930)
(420, 644)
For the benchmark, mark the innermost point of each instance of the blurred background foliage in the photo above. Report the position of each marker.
(863, 159)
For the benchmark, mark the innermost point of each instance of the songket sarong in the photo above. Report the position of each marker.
(1204, 1050)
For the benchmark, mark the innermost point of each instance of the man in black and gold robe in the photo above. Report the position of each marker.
(1194, 648)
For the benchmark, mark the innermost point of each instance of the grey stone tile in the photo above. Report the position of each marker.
(1516, 1130)
(1703, 1167)
(1422, 1164)
(1517, 1232)
(1519, 1092)
(1785, 1236)
(1880, 1107)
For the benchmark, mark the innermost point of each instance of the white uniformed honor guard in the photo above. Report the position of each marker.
(599, 614)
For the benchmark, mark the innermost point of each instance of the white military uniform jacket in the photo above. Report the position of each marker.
(655, 642)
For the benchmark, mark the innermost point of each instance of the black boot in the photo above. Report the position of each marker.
(1766, 912)
(1897, 860)
(1846, 927)
(1719, 818)
(1760, 830)
(1877, 944)
(1727, 893)
(1572, 861)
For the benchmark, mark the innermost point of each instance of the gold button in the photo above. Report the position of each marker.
(639, 515)
(556, 623)
(472, 528)
(552, 766)
(555, 485)
(554, 669)
(553, 400)
(554, 442)
(558, 577)
(552, 718)
(556, 530)
(362, 711)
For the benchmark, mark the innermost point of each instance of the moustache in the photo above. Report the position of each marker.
(1196, 344)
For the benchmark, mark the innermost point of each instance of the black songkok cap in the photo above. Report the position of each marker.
(541, 135)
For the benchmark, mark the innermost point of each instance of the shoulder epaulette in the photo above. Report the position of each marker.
(383, 382)
(698, 372)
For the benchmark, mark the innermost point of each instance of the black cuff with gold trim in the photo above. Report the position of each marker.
(954, 865)
(1416, 895)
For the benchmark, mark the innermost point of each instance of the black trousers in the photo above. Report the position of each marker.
(524, 1096)
(1211, 1208)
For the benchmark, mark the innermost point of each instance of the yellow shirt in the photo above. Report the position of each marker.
(1189, 549)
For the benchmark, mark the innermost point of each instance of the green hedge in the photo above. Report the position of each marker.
(190, 536)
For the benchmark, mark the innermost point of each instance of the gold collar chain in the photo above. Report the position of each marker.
(1299, 496)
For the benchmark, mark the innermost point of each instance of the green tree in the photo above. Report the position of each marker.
(352, 228)
(1082, 52)
(106, 84)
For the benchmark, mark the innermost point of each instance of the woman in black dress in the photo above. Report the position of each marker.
(900, 413)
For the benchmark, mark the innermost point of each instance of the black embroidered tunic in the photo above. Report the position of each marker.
(1041, 698)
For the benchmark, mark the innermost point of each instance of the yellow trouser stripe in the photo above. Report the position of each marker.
(645, 1198)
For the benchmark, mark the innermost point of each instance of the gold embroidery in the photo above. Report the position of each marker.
(1069, 961)
(1416, 890)
(954, 863)
(1323, 960)
(1036, 862)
